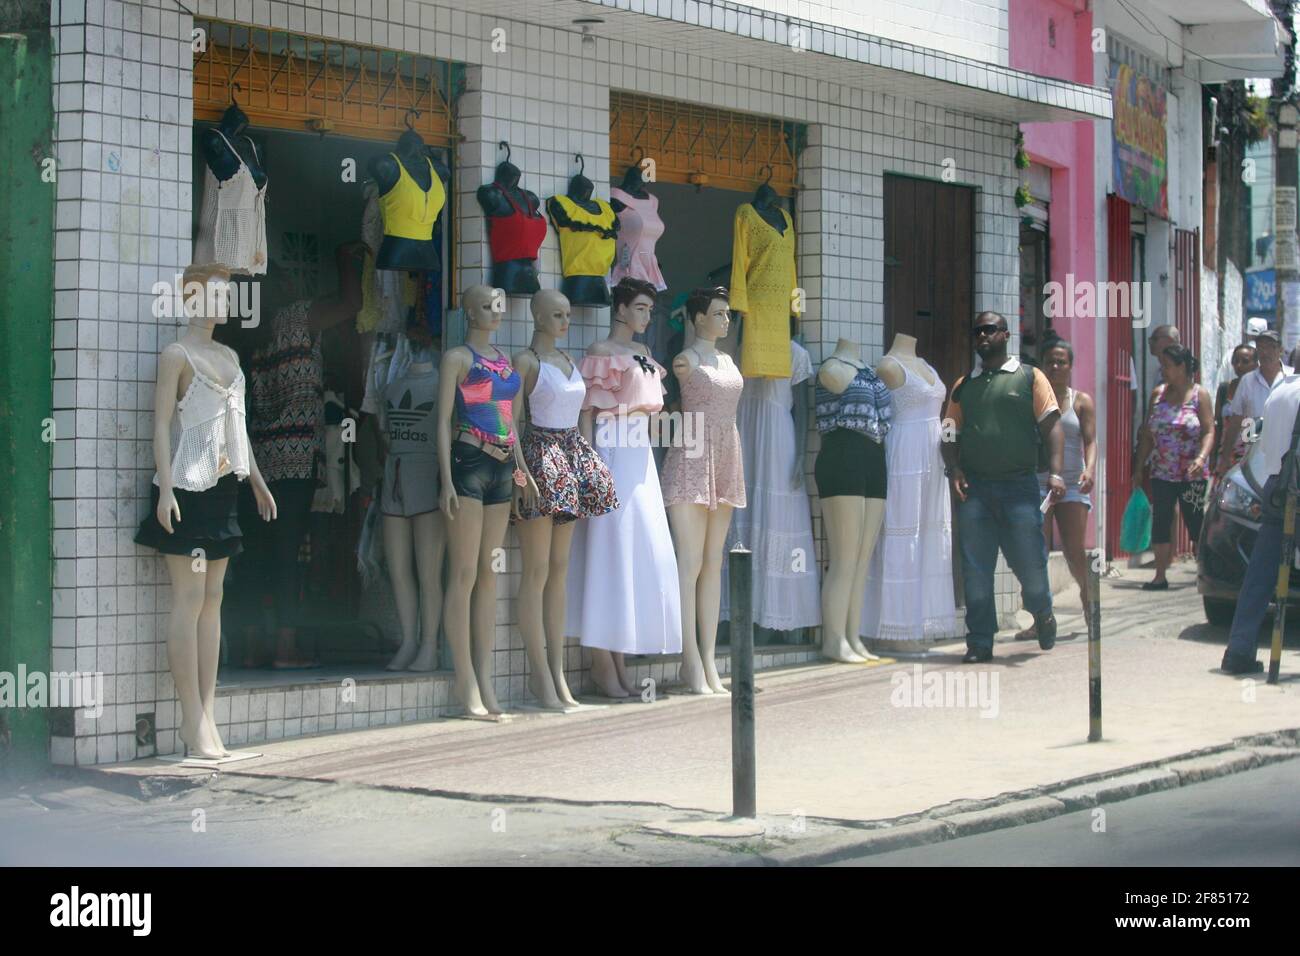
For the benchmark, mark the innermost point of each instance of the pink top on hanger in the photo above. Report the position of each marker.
(639, 228)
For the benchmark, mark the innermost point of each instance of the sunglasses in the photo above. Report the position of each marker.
(989, 329)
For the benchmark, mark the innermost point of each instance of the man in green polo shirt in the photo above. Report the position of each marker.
(1002, 413)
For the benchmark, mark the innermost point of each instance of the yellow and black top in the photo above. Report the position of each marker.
(586, 238)
(410, 212)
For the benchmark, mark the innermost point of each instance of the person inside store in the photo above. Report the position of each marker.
(1243, 362)
(1251, 393)
(1173, 455)
(286, 422)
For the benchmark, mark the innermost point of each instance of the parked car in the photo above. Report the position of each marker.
(1227, 536)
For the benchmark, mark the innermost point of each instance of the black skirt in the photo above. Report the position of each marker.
(209, 523)
(850, 464)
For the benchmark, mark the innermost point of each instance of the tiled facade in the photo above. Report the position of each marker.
(123, 217)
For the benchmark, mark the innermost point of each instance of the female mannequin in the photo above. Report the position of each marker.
(701, 490)
(410, 205)
(568, 481)
(413, 527)
(587, 227)
(853, 416)
(195, 496)
(623, 583)
(515, 229)
(232, 217)
(909, 595)
(477, 454)
(639, 229)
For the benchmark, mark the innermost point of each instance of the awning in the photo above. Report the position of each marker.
(726, 32)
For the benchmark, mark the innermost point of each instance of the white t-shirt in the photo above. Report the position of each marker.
(1252, 393)
(1279, 420)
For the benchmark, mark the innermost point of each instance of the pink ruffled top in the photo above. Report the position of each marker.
(623, 383)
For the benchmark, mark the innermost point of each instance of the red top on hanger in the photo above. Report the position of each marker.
(516, 236)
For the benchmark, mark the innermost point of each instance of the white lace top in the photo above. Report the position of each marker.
(232, 220)
(209, 433)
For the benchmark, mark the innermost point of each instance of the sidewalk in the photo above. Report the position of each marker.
(832, 747)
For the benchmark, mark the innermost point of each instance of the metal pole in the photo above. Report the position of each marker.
(744, 801)
(1094, 646)
(1286, 253)
(1288, 485)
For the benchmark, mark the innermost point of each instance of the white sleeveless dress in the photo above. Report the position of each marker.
(909, 594)
(232, 219)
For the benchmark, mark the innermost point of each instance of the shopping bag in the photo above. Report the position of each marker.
(1135, 527)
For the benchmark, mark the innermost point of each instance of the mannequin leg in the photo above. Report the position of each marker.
(483, 606)
(209, 638)
(398, 548)
(843, 517)
(555, 608)
(463, 536)
(430, 547)
(709, 593)
(873, 519)
(690, 527)
(188, 588)
(624, 679)
(535, 544)
(607, 673)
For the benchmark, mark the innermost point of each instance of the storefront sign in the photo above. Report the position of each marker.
(1139, 165)
(1261, 291)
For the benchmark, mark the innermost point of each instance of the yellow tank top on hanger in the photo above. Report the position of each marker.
(410, 212)
(584, 253)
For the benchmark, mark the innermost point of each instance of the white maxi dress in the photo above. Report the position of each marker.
(909, 595)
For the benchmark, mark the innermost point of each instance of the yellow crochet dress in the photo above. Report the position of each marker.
(762, 286)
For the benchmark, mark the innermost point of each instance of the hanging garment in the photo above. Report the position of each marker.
(639, 228)
(209, 434)
(232, 219)
(909, 592)
(762, 287)
(288, 377)
(711, 473)
(586, 238)
(516, 236)
(777, 523)
(371, 311)
(411, 483)
(410, 212)
(342, 477)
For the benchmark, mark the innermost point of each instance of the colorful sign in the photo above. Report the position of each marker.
(1140, 167)
(1261, 291)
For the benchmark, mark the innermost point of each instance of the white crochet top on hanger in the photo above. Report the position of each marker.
(232, 220)
(209, 432)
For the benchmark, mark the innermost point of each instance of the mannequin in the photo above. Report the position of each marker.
(853, 412)
(909, 593)
(477, 453)
(193, 520)
(515, 229)
(566, 482)
(639, 228)
(763, 283)
(623, 588)
(587, 228)
(232, 217)
(700, 490)
(413, 529)
(632, 184)
(411, 213)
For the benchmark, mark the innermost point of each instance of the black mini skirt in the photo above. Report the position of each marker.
(850, 464)
(209, 522)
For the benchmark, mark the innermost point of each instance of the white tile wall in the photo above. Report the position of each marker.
(123, 214)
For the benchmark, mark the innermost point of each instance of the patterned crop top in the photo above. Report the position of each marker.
(623, 383)
(485, 400)
(865, 406)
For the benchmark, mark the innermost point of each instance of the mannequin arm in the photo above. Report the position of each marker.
(802, 404)
(327, 313)
(170, 364)
(454, 368)
(586, 422)
(261, 493)
(528, 370)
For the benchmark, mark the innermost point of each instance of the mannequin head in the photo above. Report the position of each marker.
(634, 300)
(233, 121)
(205, 290)
(410, 143)
(550, 309)
(479, 314)
(710, 312)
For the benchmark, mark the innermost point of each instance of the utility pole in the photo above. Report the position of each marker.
(1287, 255)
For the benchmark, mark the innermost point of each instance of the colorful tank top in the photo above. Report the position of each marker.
(1176, 433)
(865, 406)
(485, 400)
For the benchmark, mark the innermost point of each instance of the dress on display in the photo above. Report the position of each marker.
(909, 593)
(232, 219)
(712, 472)
(639, 228)
(762, 286)
(623, 591)
(777, 524)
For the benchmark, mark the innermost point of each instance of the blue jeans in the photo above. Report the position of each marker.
(1259, 584)
(1001, 514)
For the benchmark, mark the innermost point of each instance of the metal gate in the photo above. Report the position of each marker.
(1119, 375)
(1187, 316)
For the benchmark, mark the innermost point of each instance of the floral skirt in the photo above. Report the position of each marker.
(572, 480)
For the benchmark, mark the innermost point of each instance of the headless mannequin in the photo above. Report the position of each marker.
(700, 533)
(768, 205)
(194, 624)
(852, 525)
(474, 531)
(516, 276)
(217, 154)
(902, 355)
(397, 252)
(423, 538)
(608, 671)
(581, 290)
(633, 185)
(545, 544)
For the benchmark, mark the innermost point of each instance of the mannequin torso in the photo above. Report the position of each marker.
(504, 199)
(902, 355)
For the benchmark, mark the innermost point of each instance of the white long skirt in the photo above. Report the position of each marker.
(623, 592)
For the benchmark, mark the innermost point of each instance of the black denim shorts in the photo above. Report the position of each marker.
(476, 474)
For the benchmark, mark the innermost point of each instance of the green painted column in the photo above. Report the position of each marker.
(26, 307)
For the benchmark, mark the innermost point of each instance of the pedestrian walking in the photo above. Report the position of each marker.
(1243, 362)
(1261, 571)
(1173, 454)
(1005, 415)
(1251, 394)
